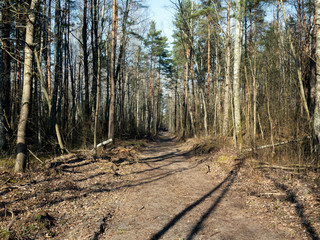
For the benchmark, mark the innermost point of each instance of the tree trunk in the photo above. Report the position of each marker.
(157, 117)
(112, 69)
(98, 83)
(299, 70)
(85, 60)
(150, 95)
(2, 129)
(27, 76)
(65, 119)
(254, 82)
(208, 63)
(57, 76)
(15, 103)
(6, 83)
(236, 73)
(227, 82)
(94, 46)
(316, 120)
(49, 50)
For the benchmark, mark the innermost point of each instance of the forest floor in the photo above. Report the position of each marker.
(166, 191)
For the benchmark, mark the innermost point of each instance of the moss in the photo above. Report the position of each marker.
(44, 222)
(5, 234)
(224, 158)
(7, 163)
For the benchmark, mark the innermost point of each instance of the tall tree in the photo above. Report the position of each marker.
(49, 50)
(316, 120)
(94, 46)
(26, 94)
(152, 36)
(112, 69)
(236, 72)
(227, 76)
(98, 81)
(2, 122)
(85, 59)
(6, 81)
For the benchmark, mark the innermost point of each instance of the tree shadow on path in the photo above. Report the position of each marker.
(197, 227)
(292, 197)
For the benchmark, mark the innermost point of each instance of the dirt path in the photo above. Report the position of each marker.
(172, 197)
(162, 193)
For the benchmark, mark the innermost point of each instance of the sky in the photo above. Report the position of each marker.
(162, 12)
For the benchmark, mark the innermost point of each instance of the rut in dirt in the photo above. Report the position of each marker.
(170, 196)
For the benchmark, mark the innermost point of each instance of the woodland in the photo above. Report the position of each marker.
(75, 73)
(96, 103)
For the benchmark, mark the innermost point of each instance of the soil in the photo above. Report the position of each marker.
(166, 192)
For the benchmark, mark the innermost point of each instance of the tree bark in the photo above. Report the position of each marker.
(150, 96)
(316, 120)
(49, 50)
(98, 83)
(94, 46)
(236, 73)
(2, 129)
(6, 83)
(26, 94)
(299, 70)
(112, 68)
(57, 77)
(227, 82)
(208, 63)
(254, 82)
(85, 59)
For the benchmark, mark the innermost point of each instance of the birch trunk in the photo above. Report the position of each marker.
(26, 94)
(236, 73)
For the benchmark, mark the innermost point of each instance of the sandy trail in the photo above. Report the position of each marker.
(172, 197)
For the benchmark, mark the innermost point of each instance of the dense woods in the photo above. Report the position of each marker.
(76, 73)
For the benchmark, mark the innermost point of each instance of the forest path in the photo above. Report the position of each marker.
(172, 197)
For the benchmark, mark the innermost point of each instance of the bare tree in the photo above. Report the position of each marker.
(316, 120)
(112, 68)
(98, 82)
(227, 77)
(85, 58)
(236, 73)
(2, 129)
(26, 94)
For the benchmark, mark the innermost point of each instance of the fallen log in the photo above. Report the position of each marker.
(35, 156)
(277, 144)
(102, 144)
(277, 167)
(288, 168)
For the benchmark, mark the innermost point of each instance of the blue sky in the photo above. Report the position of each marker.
(162, 12)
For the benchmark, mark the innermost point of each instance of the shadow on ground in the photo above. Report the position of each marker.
(292, 198)
(228, 181)
(78, 177)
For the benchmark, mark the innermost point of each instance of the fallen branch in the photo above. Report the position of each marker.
(102, 144)
(279, 196)
(277, 167)
(289, 168)
(14, 218)
(35, 156)
(277, 144)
